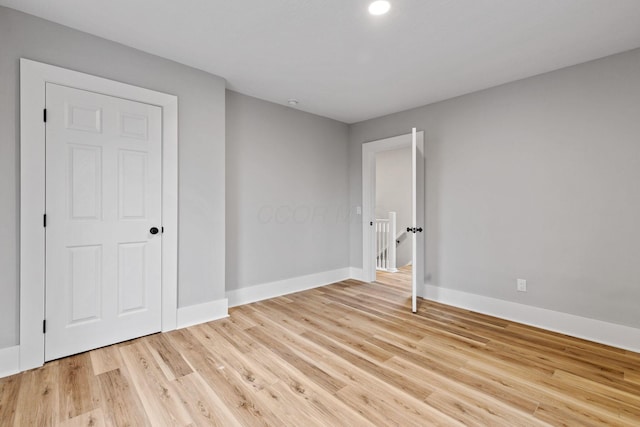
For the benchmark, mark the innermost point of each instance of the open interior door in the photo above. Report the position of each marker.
(417, 215)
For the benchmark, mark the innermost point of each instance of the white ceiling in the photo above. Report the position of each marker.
(343, 63)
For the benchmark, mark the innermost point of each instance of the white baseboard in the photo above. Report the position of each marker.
(9, 361)
(612, 334)
(202, 313)
(287, 286)
(356, 273)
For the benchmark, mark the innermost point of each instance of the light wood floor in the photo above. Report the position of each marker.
(348, 354)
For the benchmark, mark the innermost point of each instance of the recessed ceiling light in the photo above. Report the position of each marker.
(292, 102)
(379, 7)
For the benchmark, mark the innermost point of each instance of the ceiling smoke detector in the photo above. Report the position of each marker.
(379, 7)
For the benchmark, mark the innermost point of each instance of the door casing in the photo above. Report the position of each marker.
(33, 77)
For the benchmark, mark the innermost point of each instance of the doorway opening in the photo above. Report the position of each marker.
(393, 216)
(375, 229)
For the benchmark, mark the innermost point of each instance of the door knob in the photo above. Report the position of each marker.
(154, 230)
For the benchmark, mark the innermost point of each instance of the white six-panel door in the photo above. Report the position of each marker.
(103, 197)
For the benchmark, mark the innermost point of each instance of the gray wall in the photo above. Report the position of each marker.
(287, 194)
(537, 179)
(201, 149)
(393, 193)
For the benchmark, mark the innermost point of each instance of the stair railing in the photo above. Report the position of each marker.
(386, 243)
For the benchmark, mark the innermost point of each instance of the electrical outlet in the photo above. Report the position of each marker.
(522, 285)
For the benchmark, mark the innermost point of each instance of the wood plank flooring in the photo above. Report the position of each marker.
(348, 354)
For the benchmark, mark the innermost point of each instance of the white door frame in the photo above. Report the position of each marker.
(369, 151)
(33, 78)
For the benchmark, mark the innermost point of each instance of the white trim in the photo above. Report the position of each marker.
(369, 151)
(202, 313)
(33, 77)
(287, 286)
(612, 334)
(356, 273)
(9, 361)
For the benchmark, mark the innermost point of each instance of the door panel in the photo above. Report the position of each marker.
(132, 179)
(85, 182)
(132, 260)
(85, 283)
(103, 194)
(83, 117)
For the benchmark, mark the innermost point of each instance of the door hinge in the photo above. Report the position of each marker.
(44, 326)
(44, 220)
(44, 115)
(162, 230)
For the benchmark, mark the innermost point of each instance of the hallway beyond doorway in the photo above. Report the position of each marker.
(400, 280)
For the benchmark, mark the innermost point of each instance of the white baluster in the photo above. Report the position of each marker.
(386, 246)
(382, 239)
(392, 239)
(378, 264)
